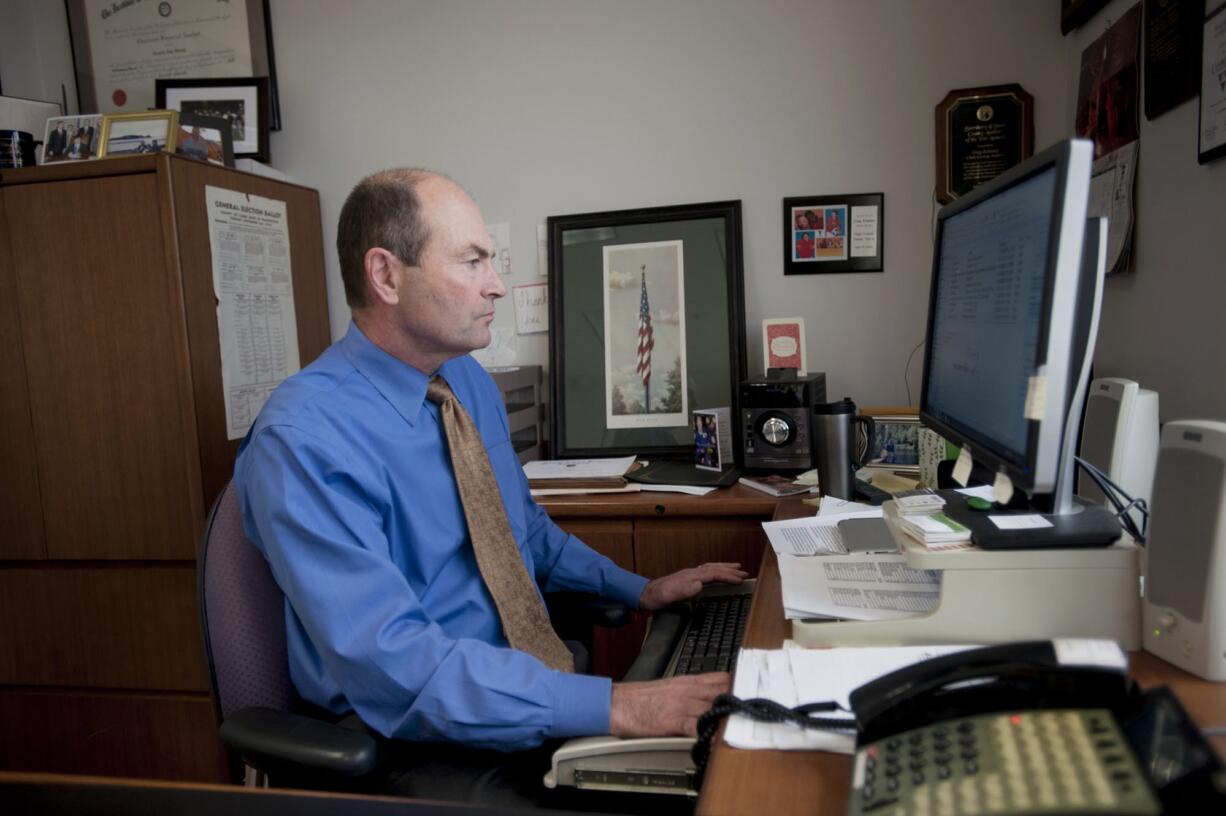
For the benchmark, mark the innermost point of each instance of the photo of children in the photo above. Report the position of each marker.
(819, 233)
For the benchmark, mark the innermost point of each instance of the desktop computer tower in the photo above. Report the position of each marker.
(1120, 438)
(1184, 609)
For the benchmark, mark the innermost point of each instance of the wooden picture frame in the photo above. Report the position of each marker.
(98, 85)
(130, 134)
(242, 101)
(895, 446)
(682, 267)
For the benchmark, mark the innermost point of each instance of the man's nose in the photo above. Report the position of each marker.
(495, 287)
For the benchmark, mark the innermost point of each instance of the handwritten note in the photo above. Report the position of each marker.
(531, 308)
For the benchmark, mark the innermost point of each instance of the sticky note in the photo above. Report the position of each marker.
(1036, 397)
(1032, 521)
(962, 468)
(1002, 488)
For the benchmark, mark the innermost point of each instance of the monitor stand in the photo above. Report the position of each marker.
(1082, 525)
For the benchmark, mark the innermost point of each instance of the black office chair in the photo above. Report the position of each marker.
(278, 737)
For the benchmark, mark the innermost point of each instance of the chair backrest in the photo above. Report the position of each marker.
(242, 615)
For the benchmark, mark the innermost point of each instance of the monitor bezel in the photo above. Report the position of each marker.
(1036, 469)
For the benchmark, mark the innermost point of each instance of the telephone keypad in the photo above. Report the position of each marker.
(1028, 762)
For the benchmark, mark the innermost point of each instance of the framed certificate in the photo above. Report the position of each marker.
(1212, 131)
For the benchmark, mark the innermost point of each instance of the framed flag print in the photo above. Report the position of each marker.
(646, 322)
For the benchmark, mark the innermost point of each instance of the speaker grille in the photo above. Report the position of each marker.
(1188, 495)
(1098, 443)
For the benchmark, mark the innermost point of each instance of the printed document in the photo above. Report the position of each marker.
(856, 587)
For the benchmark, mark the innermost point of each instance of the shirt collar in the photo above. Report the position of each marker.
(403, 386)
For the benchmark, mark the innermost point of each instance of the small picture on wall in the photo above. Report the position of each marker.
(820, 234)
(832, 233)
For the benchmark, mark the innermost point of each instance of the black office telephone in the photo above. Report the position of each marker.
(1025, 728)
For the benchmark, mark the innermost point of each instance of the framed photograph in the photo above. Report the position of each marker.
(647, 320)
(783, 344)
(895, 445)
(243, 103)
(712, 439)
(833, 233)
(1211, 140)
(72, 138)
(120, 48)
(206, 138)
(131, 134)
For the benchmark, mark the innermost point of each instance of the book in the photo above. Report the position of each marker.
(776, 485)
(578, 474)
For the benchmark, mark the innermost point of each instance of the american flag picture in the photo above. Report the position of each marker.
(646, 339)
(644, 335)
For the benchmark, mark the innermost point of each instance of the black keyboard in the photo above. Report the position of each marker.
(714, 635)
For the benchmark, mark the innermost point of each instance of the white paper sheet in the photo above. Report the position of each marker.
(856, 587)
(254, 285)
(577, 468)
(814, 535)
(795, 677)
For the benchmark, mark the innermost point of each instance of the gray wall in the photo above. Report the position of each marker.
(545, 107)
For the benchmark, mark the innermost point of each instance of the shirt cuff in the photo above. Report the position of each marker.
(626, 587)
(581, 705)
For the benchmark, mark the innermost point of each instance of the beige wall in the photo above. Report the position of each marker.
(544, 107)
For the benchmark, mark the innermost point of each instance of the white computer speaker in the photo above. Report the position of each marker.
(1120, 437)
(1183, 612)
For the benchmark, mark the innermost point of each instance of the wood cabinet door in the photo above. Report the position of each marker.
(663, 546)
(21, 516)
(106, 353)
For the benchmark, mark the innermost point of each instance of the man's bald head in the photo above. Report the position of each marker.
(383, 210)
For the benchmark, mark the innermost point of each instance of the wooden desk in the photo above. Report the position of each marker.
(786, 782)
(655, 534)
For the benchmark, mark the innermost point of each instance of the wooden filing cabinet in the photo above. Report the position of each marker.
(113, 439)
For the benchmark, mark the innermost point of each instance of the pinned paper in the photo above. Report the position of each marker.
(962, 468)
(531, 308)
(1002, 488)
(500, 234)
(1036, 397)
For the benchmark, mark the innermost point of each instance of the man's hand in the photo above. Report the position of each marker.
(664, 708)
(687, 583)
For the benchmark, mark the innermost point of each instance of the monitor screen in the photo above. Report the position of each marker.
(987, 314)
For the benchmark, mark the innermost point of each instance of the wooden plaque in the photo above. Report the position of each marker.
(980, 133)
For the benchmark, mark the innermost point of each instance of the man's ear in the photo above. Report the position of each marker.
(383, 276)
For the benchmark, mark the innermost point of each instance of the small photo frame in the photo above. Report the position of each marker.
(134, 134)
(833, 233)
(783, 344)
(206, 138)
(242, 102)
(712, 439)
(895, 445)
(72, 138)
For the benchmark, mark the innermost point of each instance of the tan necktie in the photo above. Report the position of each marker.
(524, 619)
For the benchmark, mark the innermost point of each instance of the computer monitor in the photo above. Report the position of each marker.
(1012, 319)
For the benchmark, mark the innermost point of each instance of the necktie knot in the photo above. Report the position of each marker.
(438, 391)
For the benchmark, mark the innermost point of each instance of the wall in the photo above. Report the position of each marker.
(545, 107)
(1161, 321)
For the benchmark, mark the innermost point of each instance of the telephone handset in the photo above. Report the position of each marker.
(1033, 727)
(1024, 675)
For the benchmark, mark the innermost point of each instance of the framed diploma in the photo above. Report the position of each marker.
(121, 48)
(980, 133)
(1212, 132)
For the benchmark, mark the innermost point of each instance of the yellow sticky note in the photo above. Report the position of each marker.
(1036, 397)
(1002, 488)
(962, 468)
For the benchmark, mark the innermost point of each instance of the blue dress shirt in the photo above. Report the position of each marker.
(346, 486)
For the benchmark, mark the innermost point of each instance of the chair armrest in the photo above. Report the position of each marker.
(283, 744)
(585, 608)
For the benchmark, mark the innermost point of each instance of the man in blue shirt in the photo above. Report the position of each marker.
(347, 487)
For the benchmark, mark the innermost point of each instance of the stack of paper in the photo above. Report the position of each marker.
(936, 531)
(551, 476)
(795, 677)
